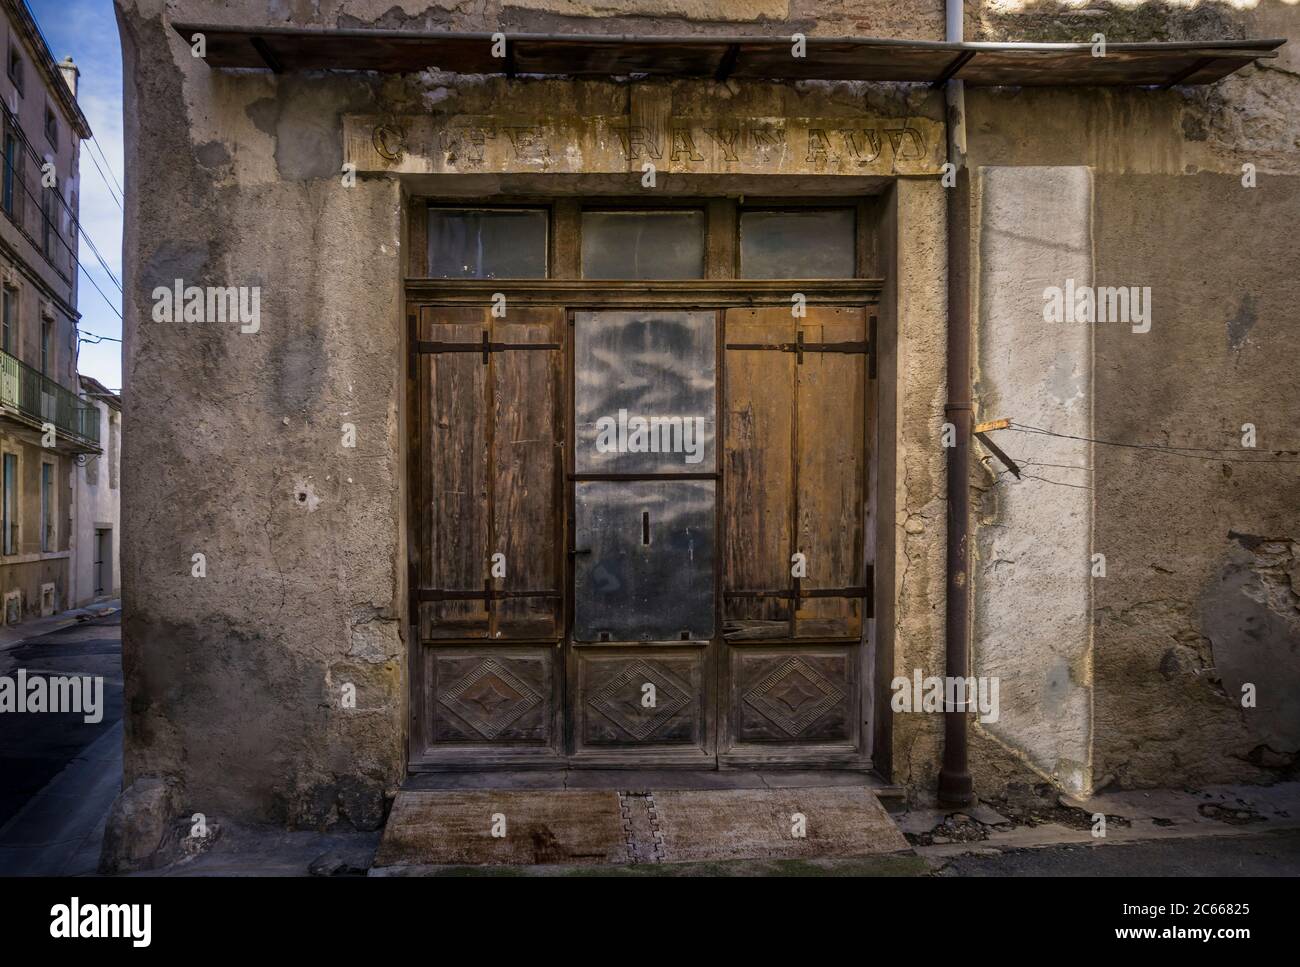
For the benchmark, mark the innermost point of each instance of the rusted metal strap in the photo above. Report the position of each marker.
(994, 449)
(1197, 65)
(949, 72)
(790, 594)
(485, 347)
(807, 347)
(799, 347)
(728, 63)
(268, 57)
(488, 594)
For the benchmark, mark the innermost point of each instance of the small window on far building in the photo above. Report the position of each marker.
(16, 68)
(13, 173)
(8, 299)
(45, 348)
(47, 508)
(51, 127)
(9, 504)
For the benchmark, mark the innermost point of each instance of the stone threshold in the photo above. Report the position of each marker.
(633, 824)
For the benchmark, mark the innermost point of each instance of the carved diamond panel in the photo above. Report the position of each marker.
(794, 695)
(620, 699)
(490, 698)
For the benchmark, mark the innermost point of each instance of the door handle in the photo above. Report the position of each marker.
(575, 553)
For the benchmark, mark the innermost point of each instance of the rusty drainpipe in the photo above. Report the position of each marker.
(955, 786)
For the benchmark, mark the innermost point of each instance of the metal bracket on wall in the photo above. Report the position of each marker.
(981, 429)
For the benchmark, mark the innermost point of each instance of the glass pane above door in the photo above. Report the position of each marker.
(487, 243)
(643, 244)
(812, 244)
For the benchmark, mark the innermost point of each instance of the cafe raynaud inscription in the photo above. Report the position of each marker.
(463, 144)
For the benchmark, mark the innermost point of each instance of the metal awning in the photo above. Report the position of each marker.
(744, 58)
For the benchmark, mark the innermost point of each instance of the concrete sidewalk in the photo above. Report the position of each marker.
(11, 635)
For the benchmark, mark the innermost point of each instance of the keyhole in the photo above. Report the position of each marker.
(645, 527)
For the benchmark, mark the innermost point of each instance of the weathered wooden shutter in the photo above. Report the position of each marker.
(795, 472)
(490, 448)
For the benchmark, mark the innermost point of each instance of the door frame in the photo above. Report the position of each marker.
(575, 294)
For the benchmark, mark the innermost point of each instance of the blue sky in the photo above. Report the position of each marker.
(87, 30)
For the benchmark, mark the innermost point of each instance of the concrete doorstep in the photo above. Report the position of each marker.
(428, 830)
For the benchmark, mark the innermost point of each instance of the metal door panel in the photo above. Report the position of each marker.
(644, 560)
(648, 364)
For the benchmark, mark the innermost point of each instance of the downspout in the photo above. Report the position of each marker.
(955, 785)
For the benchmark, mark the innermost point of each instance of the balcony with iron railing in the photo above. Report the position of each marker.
(37, 399)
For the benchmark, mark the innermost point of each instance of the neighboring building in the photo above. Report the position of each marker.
(439, 469)
(95, 547)
(44, 424)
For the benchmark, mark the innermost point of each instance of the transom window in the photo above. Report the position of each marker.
(808, 244)
(721, 239)
(487, 243)
(643, 244)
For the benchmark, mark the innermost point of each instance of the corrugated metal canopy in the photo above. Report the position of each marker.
(828, 58)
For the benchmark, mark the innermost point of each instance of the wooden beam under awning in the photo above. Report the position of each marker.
(283, 49)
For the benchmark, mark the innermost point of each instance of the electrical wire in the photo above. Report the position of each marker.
(111, 173)
(1191, 453)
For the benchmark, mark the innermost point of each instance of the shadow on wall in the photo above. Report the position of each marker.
(1251, 615)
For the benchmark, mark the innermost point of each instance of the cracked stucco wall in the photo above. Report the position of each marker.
(234, 680)
(1198, 596)
(238, 681)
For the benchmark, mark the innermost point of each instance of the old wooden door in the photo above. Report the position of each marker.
(694, 482)
(641, 521)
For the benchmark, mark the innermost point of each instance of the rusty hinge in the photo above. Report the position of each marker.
(799, 347)
(488, 593)
(486, 346)
(873, 348)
